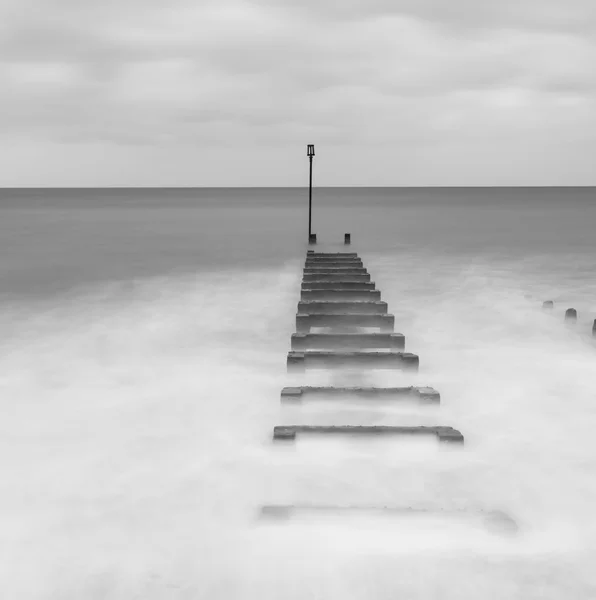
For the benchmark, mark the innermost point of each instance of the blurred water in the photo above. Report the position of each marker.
(54, 240)
(138, 400)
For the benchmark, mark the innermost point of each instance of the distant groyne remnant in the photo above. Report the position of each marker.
(570, 317)
(347, 239)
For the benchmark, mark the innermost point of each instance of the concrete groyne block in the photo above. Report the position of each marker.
(304, 322)
(594, 328)
(442, 433)
(570, 315)
(333, 258)
(323, 359)
(332, 254)
(338, 285)
(339, 294)
(334, 307)
(443, 521)
(312, 238)
(548, 305)
(424, 395)
(348, 271)
(347, 341)
(493, 522)
(336, 277)
(357, 264)
(330, 265)
(347, 238)
(331, 262)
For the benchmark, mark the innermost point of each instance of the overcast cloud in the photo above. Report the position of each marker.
(392, 92)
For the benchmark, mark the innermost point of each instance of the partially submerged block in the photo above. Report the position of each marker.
(377, 307)
(443, 434)
(340, 270)
(348, 341)
(312, 238)
(330, 260)
(492, 521)
(338, 285)
(311, 264)
(333, 258)
(333, 265)
(323, 359)
(332, 254)
(304, 322)
(336, 277)
(425, 395)
(339, 294)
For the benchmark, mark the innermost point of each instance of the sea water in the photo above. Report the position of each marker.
(143, 352)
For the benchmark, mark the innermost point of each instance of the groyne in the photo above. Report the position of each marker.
(339, 300)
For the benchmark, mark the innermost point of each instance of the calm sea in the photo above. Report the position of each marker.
(143, 348)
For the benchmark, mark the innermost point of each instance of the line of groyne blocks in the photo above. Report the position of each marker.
(337, 294)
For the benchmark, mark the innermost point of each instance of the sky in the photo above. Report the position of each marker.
(229, 93)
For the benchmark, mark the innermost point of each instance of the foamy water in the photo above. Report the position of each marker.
(136, 443)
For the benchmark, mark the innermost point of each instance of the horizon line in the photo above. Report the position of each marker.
(292, 187)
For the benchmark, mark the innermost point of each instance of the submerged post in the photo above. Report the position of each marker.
(347, 238)
(570, 315)
(594, 329)
(310, 152)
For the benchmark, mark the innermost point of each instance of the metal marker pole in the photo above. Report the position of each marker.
(310, 201)
(310, 152)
